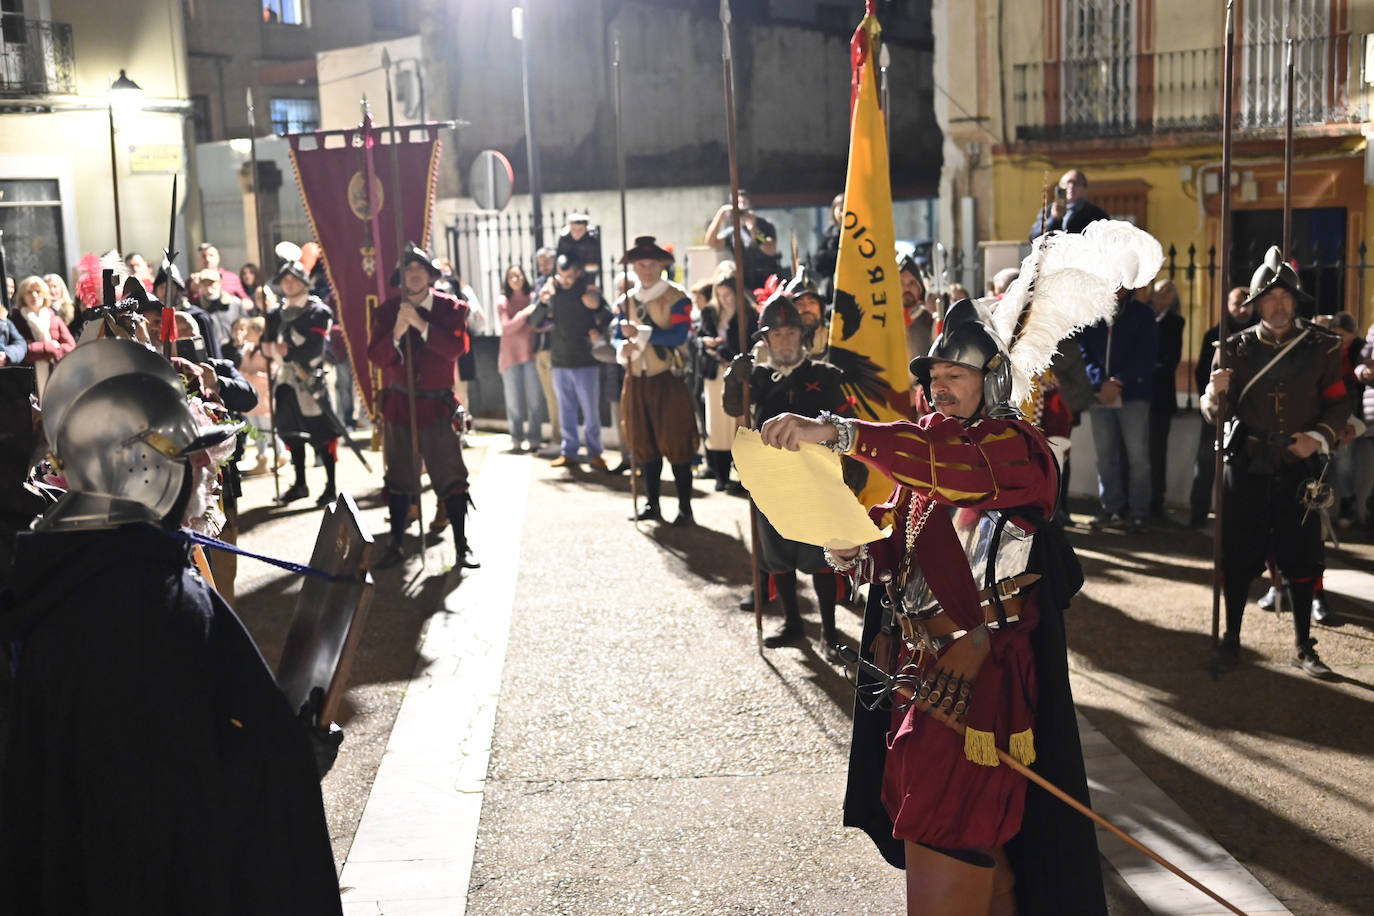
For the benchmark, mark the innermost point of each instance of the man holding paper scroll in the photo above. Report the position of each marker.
(960, 587)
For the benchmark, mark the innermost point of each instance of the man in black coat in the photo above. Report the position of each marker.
(789, 382)
(153, 767)
(1164, 300)
(1071, 210)
(1241, 312)
(580, 318)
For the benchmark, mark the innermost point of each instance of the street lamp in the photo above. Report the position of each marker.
(125, 93)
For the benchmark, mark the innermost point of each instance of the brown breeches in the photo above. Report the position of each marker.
(657, 409)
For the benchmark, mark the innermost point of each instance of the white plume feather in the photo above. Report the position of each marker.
(1069, 282)
(1133, 253)
(288, 251)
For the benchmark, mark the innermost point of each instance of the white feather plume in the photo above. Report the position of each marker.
(1133, 253)
(1069, 282)
(288, 251)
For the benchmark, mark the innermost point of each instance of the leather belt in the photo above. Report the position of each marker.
(938, 631)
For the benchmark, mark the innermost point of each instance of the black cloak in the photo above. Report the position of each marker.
(153, 766)
(1054, 856)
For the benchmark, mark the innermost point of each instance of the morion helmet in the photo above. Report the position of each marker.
(121, 429)
(780, 312)
(1274, 273)
(968, 339)
(414, 254)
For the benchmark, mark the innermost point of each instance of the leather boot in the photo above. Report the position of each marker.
(651, 473)
(457, 507)
(330, 465)
(399, 506)
(825, 583)
(791, 630)
(297, 490)
(682, 476)
(720, 468)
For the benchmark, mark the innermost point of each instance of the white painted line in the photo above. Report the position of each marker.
(413, 850)
(1124, 795)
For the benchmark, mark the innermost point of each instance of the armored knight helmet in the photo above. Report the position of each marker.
(289, 263)
(803, 284)
(121, 430)
(414, 254)
(1274, 273)
(779, 313)
(968, 339)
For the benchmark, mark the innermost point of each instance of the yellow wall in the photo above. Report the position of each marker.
(1019, 171)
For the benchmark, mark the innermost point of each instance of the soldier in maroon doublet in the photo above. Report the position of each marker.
(976, 482)
(433, 327)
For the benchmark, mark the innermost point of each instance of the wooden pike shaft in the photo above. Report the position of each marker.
(1220, 295)
(1288, 80)
(409, 352)
(740, 302)
(625, 418)
(262, 259)
(1101, 821)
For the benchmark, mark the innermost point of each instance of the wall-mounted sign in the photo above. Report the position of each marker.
(156, 158)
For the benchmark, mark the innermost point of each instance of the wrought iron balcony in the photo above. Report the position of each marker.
(1180, 91)
(35, 57)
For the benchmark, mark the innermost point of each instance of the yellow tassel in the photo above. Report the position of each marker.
(1022, 747)
(980, 747)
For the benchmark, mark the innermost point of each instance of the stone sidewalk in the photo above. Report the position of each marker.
(591, 729)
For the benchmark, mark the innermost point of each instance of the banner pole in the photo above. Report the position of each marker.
(169, 334)
(741, 305)
(405, 340)
(626, 446)
(1218, 485)
(262, 258)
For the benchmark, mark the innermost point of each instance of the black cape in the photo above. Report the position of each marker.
(153, 766)
(1054, 856)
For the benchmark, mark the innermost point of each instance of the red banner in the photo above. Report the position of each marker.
(349, 183)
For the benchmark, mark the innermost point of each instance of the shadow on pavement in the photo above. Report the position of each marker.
(1254, 834)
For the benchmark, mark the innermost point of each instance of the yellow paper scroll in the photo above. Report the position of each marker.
(803, 493)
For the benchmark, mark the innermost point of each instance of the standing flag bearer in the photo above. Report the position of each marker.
(430, 328)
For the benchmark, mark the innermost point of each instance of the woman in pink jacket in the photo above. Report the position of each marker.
(519, 377)
(48, 336)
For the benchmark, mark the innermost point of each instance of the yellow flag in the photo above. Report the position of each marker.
(867, 331)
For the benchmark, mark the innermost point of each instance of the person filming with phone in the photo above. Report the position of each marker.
(1071, 211)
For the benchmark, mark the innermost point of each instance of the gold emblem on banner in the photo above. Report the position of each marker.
(357, 195)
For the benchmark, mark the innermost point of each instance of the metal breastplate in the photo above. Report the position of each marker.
(975, 531)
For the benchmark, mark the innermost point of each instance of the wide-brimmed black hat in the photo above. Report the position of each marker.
(780, 312)
(1273, 273)
(646, 247)
(414, 254)
(134, 293)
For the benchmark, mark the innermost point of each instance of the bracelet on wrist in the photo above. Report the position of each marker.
(842, 564)
(845, 432)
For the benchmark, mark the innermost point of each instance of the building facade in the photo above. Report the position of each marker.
(1130, 92)
(60, 126)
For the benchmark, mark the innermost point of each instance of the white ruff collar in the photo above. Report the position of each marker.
(652, 293)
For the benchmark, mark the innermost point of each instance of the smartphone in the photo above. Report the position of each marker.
(1061, 193)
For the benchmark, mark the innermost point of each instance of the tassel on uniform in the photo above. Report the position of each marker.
(1021, 746)
(980, 747)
